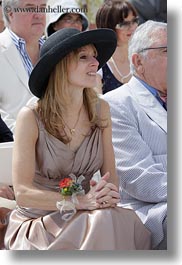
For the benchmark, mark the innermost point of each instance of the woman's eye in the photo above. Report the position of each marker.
(83, 57)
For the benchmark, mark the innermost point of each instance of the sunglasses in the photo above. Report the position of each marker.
(128, 24)
(0, 3)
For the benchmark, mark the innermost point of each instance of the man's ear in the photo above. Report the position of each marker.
(10, 15)
(137, 61)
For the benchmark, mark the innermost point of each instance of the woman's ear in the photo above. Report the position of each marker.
(137, 61)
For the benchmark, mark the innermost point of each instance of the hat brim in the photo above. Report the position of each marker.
(56, 48)
(58, 16)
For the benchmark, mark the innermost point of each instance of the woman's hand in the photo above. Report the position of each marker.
(107, 193)
(88, 201)
(101, 195)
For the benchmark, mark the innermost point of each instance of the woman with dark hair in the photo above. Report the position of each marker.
(121, 17)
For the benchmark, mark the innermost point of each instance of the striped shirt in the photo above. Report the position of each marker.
(21, 47)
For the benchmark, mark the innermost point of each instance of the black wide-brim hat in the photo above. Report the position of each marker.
(61, 43)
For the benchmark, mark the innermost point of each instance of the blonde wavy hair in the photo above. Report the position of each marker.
(56, 97)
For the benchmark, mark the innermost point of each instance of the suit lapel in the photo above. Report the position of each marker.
(12, 55)
(148, 103)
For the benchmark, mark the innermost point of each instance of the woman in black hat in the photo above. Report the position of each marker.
(60, 143)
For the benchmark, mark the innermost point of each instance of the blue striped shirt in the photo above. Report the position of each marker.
(21, 47)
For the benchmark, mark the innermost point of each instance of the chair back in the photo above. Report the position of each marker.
(6, 150)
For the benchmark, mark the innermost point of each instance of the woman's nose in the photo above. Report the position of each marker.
(94, 61)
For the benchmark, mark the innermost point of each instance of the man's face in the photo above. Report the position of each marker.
(28, 24)
(155, 64)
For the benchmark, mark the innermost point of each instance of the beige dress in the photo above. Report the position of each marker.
(102, 229)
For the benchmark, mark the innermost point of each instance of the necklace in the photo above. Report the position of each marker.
(72, 130)
(120, 74)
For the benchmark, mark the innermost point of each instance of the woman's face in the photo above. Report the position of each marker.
(125, 29)
(69, 21)
(82, 70)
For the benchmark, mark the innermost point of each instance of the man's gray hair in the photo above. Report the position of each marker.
(7, 6)
(144, 37)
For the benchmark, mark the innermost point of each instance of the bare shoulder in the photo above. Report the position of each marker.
(25, 113)
(26, 120)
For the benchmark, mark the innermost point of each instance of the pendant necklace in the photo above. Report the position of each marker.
(72, 130)
(120, 74)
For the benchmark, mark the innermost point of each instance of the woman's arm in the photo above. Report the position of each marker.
(108, 151)
(107, 187)
(26, 194)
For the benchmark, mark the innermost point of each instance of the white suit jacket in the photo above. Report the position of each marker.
(14, 91)
(140, 144)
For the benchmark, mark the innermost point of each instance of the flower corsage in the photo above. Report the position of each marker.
(70, 186)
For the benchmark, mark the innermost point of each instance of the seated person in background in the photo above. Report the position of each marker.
(151, 10)
(139, 125)
(62, 139)
(20, 44)
(120, 16)
(70, 19)
(5, 133)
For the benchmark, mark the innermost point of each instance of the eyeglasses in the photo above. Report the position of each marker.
(154, 48)
(128, 24)
(72, 21)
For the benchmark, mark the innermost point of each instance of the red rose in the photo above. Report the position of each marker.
(66, 182)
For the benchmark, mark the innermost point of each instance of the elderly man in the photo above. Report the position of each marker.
(20, 43)
(139, 116)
